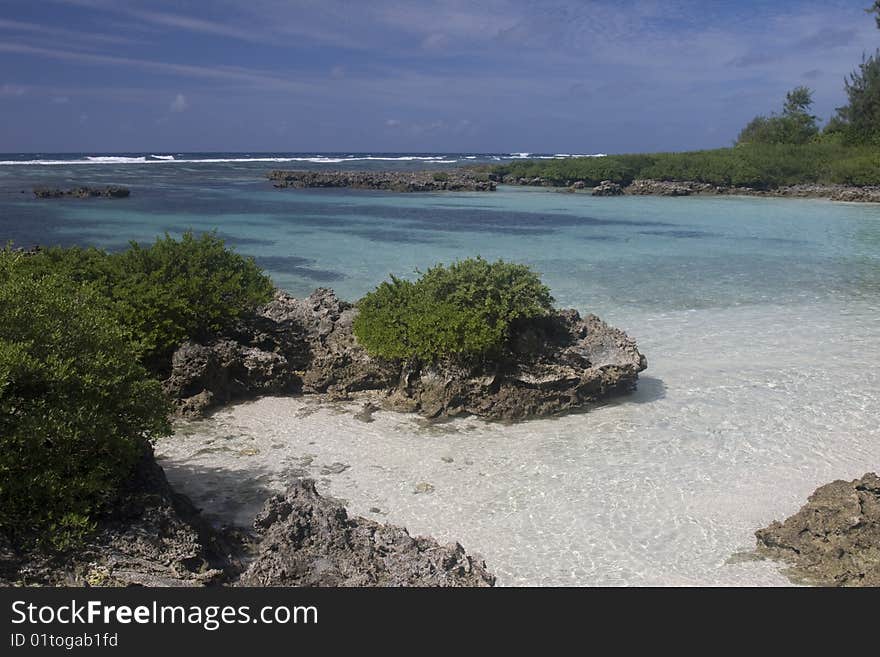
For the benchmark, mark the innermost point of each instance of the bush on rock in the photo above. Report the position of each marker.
(465, 310)
(165, 293)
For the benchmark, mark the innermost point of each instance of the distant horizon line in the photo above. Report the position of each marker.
(256, 152)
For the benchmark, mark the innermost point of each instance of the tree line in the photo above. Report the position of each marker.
(855, 123)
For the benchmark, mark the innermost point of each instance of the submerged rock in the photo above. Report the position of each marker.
(309, 540)
(395, 181)
(82, 192)
(834, 540)
(554, 364)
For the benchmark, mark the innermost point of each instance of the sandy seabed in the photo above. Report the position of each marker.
(742, 413)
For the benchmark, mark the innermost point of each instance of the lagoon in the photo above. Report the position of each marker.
(760, 319)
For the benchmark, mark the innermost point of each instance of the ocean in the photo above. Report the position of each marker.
(760, 319)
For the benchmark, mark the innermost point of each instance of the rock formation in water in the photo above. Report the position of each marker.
(604, 188)
(394, 181)
(155, 537)
(553, 364)
(309, 540)
(834, 540)
(650, 187)
(82, 192)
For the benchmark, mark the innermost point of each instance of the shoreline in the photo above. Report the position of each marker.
(650, 187)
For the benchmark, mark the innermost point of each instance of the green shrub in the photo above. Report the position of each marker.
(794, 126)
(75, 407)
(463, 311)
(860, 170)
(860, 117)
(166, 293)
(191, 288)
(440, 176)
(763, 166)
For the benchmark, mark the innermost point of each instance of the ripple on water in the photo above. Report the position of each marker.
(742, 413)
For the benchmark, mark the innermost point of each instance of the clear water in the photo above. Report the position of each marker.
(759, 318)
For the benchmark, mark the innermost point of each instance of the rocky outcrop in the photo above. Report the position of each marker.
(204, 376)
(650, 187)
(554, 364)
(153, 537)
(289, 345)
(394, 181)
(834, 540)
(336, 363)
(82, 192)
(309, 540)
(807, 190)
(531, 181)
(605, 188)
(669, 188)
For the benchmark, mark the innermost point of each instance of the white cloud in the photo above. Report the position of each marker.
(392, 123)
(179, 104)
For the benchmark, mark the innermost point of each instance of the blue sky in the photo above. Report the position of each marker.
(412, 75)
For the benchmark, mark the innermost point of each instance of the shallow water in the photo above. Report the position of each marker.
(759, 318)
(730, 429)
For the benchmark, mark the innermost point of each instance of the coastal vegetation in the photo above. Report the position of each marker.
(795, 125)
(165, 293)
(785, 148)
(464, 310)
(75, 407)
(83, 334)
(755, 165)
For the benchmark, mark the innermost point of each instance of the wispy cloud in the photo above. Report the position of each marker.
(18, 28)
(224, 73)
(639, 72)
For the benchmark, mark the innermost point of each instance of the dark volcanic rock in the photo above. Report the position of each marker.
(337, 364)
(607, 188)
(395, 181)
(82, 192)
(667, 188)
(204, 376)
(308, 540)
(289, 345)
(555, 364)
(154, 537)
(558, 364)
(834, 540)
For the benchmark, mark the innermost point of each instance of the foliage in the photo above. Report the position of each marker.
(622, 169)
(859, 119)
(794, 126)
(75, 406)
(762, 166)
(462, 311)
(166, 293)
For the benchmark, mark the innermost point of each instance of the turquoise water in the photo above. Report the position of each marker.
(605, 254)
(760, 319)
